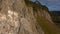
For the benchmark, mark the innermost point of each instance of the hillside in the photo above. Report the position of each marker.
(55, 17)
(25, 17)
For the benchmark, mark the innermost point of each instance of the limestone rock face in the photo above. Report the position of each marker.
(17, 18)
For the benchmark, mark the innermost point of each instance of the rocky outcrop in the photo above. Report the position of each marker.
(17, 18)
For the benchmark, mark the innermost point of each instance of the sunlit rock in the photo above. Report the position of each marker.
(18, 18)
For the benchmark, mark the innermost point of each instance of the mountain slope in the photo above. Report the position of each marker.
(25, 17)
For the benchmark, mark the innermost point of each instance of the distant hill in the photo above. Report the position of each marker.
(55, 13)
(55, 17)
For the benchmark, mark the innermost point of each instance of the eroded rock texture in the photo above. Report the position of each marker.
(17, 18)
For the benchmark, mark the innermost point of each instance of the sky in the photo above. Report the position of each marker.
(53, 5)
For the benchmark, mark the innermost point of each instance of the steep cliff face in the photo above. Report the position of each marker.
(17, 18)
(46, 23)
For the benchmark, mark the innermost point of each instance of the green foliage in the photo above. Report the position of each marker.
(29, 3)
(36, 5)
(44, 7)
(33, 5)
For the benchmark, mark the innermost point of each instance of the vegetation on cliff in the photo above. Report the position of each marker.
(36, 5)
(47, 27)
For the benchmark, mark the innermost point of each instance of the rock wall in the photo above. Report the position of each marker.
(43, 13)
(17, 18)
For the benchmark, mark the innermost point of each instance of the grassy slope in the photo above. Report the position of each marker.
(47, 27)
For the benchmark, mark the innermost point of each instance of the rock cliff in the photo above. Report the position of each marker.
(16, 17)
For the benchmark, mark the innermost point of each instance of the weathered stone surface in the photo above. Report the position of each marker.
(16, 18)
